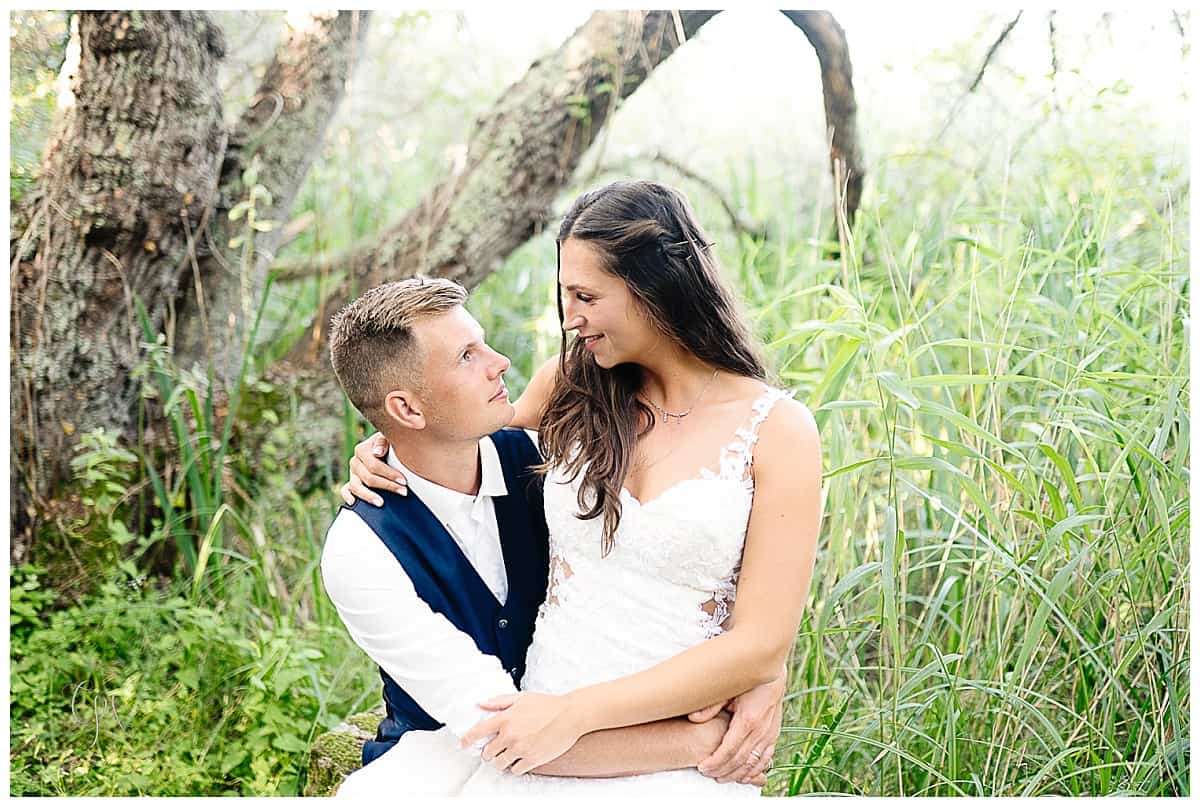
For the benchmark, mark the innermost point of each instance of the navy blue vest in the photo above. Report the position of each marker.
(449, 584)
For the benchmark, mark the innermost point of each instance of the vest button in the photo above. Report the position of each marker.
(503, 623)
(513, 671)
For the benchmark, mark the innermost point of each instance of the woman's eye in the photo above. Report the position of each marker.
(584, 298)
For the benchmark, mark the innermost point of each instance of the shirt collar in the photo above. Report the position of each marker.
(445, 501)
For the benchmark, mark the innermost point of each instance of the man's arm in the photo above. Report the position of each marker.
(664, 745)
(445, 672)
(438, 665)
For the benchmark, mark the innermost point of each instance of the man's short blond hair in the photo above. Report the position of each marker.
(371, 342)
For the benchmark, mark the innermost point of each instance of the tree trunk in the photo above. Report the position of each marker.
(133, 157)
(845, 156)
(281, 133)
(521, 155)
(134, 197)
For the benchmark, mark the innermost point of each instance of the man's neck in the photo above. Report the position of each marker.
(453, 465)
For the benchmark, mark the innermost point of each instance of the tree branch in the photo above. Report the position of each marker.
(736, 219)
(841, 110)
(520, 156)
(282, 130)
(978, 75)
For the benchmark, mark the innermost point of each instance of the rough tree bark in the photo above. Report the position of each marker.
(283, 130)
(136, 152)
(520, 157)
(845, 156)
(137, 166)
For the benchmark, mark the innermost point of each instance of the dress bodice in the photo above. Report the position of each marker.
(667, 583)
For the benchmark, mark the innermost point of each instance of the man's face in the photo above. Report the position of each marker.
(463, 395)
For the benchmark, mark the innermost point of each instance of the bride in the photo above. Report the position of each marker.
(682, 495)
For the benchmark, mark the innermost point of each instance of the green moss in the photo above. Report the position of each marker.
(367, 722)
(334, 756)
(338, 753)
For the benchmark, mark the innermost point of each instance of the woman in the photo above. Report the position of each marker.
(675, 478)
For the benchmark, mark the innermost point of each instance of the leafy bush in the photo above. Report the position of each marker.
(136, 691)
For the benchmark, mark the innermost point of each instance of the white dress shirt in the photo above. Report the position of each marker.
(437, 664)
(470, 520)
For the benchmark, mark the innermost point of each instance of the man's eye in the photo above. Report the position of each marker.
(466, 355)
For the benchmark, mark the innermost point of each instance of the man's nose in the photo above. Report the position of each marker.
(502, 364)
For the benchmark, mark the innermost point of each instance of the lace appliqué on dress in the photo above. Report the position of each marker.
(560, 570)
(736, 465)
(718, 610)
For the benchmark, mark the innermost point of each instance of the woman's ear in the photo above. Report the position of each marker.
(405, 408)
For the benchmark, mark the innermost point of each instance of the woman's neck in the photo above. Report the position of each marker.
(674, 379)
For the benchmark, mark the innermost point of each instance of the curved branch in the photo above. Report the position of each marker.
(841, 110)
(519, 158)
(736, 220)
(987, 59)
(282, 130)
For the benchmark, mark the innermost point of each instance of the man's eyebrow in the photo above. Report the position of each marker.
(476, 342)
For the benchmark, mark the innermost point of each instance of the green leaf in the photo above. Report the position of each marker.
(290, 743)
(843, 585)
(1053, 592)
(892, 383)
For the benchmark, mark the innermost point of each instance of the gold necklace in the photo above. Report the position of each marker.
(679, 416)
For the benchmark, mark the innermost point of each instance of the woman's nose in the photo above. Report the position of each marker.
(571, 321)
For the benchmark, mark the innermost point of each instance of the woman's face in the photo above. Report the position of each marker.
(599, 307)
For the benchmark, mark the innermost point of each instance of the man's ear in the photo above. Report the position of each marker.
(406, 408)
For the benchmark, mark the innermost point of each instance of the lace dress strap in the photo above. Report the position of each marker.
(737, 457)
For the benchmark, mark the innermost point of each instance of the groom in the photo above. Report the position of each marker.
(441, 587)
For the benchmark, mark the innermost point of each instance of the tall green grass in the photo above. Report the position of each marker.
(999, 367)
(1000, 601)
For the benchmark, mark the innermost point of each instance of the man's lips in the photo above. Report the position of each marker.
(503, 393)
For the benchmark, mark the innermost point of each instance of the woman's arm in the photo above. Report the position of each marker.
(777, 566)
(533, 400)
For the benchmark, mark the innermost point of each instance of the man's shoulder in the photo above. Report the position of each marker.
(346, 526)
(510, 438)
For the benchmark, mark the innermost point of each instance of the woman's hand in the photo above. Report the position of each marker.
(530, 730)
(745, 753)
(368, 470)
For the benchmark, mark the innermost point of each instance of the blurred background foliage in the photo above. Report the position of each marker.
(998, 361)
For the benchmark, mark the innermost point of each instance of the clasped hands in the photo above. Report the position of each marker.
(531, 729)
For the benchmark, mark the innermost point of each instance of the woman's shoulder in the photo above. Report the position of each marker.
(788, 434)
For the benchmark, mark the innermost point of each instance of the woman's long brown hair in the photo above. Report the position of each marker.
(648, 236)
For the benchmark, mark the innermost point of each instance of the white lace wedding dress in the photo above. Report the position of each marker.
(667, 584)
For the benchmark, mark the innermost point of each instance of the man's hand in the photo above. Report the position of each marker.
(745, 753)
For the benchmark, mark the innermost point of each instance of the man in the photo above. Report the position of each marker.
(441, 587)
